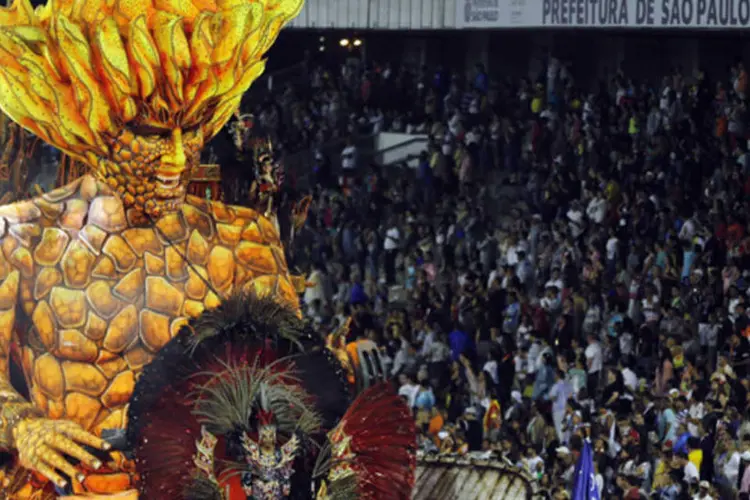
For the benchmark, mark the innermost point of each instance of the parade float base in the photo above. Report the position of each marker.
(461, 478)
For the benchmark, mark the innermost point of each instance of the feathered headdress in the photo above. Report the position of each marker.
(265, 416)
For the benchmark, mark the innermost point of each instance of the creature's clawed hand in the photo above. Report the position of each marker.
(44, 446)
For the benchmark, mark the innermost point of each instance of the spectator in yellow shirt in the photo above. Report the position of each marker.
(537, 102)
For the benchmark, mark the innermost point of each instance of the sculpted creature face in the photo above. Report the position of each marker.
(86, 79)
(150, 167)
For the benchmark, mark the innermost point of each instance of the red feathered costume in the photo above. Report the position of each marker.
(376, 441)
(239, 404)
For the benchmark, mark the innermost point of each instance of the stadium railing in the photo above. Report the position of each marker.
(300, 165)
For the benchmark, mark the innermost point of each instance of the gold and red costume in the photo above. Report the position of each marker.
(493, 417)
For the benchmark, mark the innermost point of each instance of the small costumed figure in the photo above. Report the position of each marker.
(270, 466)
(493, 420)
(266, 183)
(241, 129)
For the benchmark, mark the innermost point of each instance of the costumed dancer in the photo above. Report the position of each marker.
(236, 180)
(247, 403)
(268, 178)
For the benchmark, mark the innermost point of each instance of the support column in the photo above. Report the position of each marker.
(415, 51)
(610, 56)
(685, 52)
(539, 53)
(478, 49)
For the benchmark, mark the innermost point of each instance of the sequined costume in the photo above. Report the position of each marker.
(268, 177)
(270, 469)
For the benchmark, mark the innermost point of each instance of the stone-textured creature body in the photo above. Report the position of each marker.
(96, 276)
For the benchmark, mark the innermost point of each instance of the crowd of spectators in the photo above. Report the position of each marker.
(609, 303)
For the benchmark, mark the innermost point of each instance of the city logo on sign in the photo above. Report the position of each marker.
(481, 11)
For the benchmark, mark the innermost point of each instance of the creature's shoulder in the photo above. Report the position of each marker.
(229, 224)
(21, 224)
(61, 207)
(54, 218)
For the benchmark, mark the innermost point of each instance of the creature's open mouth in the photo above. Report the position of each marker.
(168, 181)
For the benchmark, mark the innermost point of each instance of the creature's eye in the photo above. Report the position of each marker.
(144, 130)
(192, 132)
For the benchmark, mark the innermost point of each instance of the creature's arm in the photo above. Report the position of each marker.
(43, 445)
(13, 408)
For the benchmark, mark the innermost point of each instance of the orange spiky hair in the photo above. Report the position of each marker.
(73, 72)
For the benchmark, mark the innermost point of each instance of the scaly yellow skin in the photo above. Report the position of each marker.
(97, 297)
(90, 288)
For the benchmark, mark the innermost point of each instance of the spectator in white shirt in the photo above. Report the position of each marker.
(522, 365)
(555, 280)
(496, 274)
(551, 301)
(511, 253)
(576, 224)
(689, 471)
(596, 210)
(316, 288)
(426, 337)
(391, 245)
(650, 306)
(408, 389)
(349, 156)
(594, 363)
(688, 230)
(612, 250)
(613, 244)
(490, 369)
(629, 378)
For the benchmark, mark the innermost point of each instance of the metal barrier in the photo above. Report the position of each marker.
(300, 165)
(379, 156)
(371, 366)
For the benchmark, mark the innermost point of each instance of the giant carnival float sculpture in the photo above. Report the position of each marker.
(158, 335)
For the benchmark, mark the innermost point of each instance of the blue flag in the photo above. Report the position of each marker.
(585, 477)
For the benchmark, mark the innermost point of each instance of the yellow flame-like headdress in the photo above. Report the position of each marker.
(74, 71)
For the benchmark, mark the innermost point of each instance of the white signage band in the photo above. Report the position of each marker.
(661, 14)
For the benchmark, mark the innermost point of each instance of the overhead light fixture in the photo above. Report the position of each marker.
(322, 48)
(344, 42)
(322, 39)
(357, 42)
